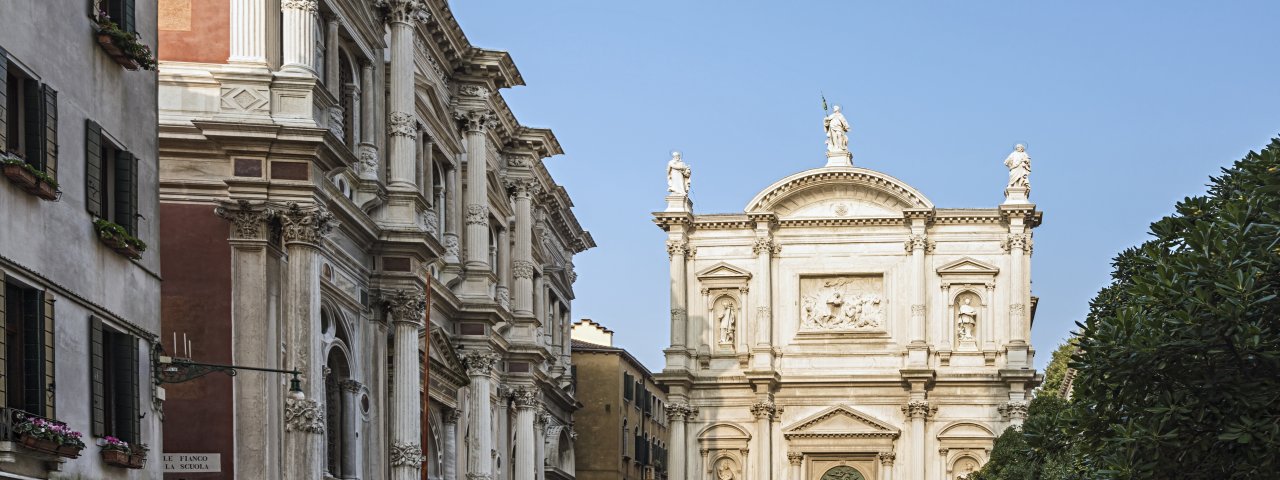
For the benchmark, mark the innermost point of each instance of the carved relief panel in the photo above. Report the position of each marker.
(843, 304)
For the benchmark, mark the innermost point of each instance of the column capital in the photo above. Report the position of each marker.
(919, 242)
(1018, 241)
(1013, 409)
(919, 409)
(308, 224)
(766, 244)
(406, 454)
(403, 11)
(887, 458)
(405, 306)
(524, 398)
(795, 458)
(522, 188)
(522, 268)
(476, 120)
(305, 416)
(402, 124)
(478, 363)
(249, 219)
(764, 410)
(351, 386)
(452, 416)
(304, 5)
(680, 247)
(680, 411)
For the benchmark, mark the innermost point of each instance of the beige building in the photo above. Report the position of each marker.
(622, 427)
(342, 186)
(79, 250)
(842, 326)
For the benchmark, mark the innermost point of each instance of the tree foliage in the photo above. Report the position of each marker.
(1055, 373)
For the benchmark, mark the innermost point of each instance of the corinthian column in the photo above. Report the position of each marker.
(450, 470)
(677, 413)
(304, 228)
(917, 245)
(918, 411)
(886, 465)
(522, 266)
(254, 338)
(479, 365)
(476, 122)
(764, 248)
(796, 459)
(368, 168)
(1019, 296)
(764, 412)
(298, 25)
(405, 309)
(526, 401)
(678, 251)
(248, 36)
(401, 15)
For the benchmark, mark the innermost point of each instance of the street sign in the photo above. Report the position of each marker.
(192, 462)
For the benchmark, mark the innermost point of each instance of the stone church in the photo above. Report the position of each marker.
(843, 327)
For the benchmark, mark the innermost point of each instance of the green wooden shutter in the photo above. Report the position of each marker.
(47, 367)
(131, 420)
(4, 100)
(33, 138)
(32, 347)
(124, 190)
(4, 349)
(50, 110)
(126, 17)
(93, 168)
(97, 395)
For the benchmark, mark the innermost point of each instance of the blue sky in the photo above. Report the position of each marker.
(1126, 108)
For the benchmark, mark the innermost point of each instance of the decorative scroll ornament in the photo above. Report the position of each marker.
(406, 454)
(247, 218)
(763, 410)
(524, 398)
(477, 214)
(1013, 410)
(919, 409)
(305, 416)
(919, 242)
(887, 458)
(402, 125)
(430, 223)
(336, 117)
(677, 247)
(476, 120)
(451, 246)
(404, 11)
(306, 225)
(522, 268)
(795, 458)
(766, 244)
(503, 297)
(478, 363)
(367, 165)
(680, 411)
(304, 5)
(407, 306)
(569, 274)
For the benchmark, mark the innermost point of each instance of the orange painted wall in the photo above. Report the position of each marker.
(195, 30)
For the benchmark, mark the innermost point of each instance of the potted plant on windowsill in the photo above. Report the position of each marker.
(123, 46)
(114, 236)
(48, 436)
(138, 455)
(26, 176)
(119, 453)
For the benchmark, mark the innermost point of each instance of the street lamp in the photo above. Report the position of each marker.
(178, 370)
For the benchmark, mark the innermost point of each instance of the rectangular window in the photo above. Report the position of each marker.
(627, 387)
(28, 117)
(118, 11)
(111, 179)
(27, 349)
(114, 369)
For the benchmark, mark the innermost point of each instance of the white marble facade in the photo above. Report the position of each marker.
(843, 326)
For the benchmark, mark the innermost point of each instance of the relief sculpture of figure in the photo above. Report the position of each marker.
(968, 319)
(678, 174)
(1019, 164)
(727, 325)
(837, 131)
(725, 472)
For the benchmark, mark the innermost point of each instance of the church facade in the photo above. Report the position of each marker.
(842, 326)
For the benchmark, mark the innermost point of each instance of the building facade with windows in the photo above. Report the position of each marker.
(843, 326)
(345, 193)
(81, 290)
(622, 427)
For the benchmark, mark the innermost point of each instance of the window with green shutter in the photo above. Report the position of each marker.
(111, 179)
(28, 117)
(113, 367)
(28, 346)
(119, 11)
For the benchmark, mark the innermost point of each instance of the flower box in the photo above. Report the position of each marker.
(35, 183)
(120, 246)
(21, 176)
(137, 461)
(123, 459)
(51, 447)
(115, 52)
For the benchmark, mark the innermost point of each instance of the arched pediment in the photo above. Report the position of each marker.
(840, 421)
(966, 431)
(724, 431)
(833, 192)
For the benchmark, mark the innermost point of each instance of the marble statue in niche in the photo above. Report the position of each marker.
(1019, 164)
(967, 320)
(724, 470)
(837, 128)
(728, 322)
(678, 174)
(965, 467)
(850, 303)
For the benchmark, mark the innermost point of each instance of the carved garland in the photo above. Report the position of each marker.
(522, 268)
(305, 416)
(477, 214)
(402, 125)
(406, 454)
(304, 5)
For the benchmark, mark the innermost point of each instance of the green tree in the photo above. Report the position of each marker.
(1055, 373)
(1047, 448)
(1179, 374)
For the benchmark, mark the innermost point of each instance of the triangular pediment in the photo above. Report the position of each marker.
(841, 421)
(443, 354)
(968, 266)
(724, 271)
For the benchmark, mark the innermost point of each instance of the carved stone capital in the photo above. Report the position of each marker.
(764, 410)
(887, 458)
(522, 269)
(766, 244)
(522, 188)
(795, 458)
(477, 214)
(478, 363)
(248, 219)
(305, 416)
(404, 11)
(919, 242)
(678, 314)
(476, 121)
(306, 224)
(1013, 410)
(304, 5)
(678, 247)
(349, 385)
(1015, 240)
(680, 411)
(402, 124)
(524, 398)
(919, 409)
(452, 416)
(406, 454)
(405, 306)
